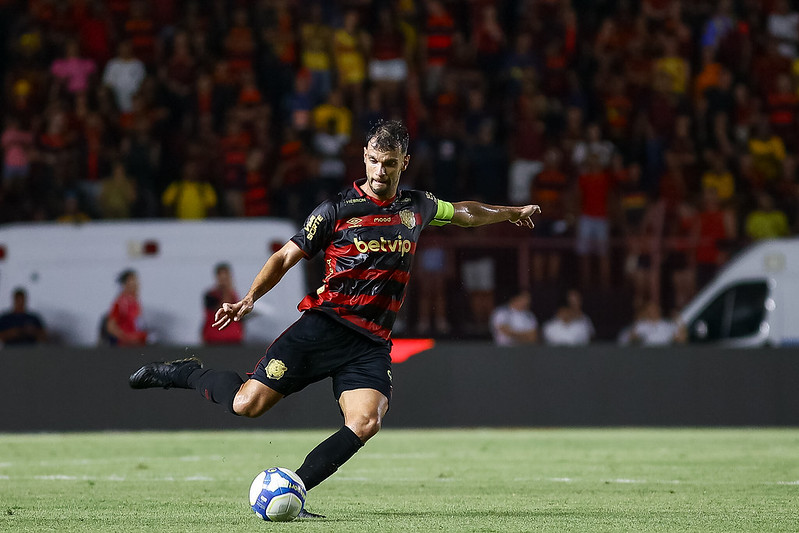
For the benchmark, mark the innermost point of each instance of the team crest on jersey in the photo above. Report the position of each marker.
(355, 222)
(275, 369)
(408, 218)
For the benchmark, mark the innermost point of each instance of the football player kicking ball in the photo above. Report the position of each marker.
(368, 234)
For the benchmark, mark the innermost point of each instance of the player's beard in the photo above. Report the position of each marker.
(384, 189)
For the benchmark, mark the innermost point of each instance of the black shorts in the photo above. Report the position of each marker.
(316, 347)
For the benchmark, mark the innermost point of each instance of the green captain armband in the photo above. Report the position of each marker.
(444, 214)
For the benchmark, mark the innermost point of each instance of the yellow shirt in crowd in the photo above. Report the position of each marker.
(190, 199)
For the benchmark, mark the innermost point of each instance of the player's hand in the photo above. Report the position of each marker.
(231, 313)
(525, 217)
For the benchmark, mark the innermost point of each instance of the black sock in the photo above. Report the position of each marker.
(219, 386)
(330, 454)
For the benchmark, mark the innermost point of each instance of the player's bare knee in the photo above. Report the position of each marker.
(366, 426)
(247, 405)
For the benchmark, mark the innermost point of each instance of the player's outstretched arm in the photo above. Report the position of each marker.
(271, 273)
(470, 214)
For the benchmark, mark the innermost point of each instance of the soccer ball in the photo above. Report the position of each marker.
(277, 495)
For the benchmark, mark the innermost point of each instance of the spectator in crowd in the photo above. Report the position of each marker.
(593, 145)
(18, 325)
(73, 71)
(514, 323)
(570, 326)
(719, 177)
(117, 194)
(766, 222)
(715, 230)
(316, 38)
(486, 165)
(350, 45)
(434, 267)
(550, 191)
(124, 75)
(783, 25)
(190, 197)
(122, 326)
(527, 154)
(17, 145)
(766, 153)
(388, 67)
(328, 146)
(479, 284)
(439, 37)
(223, 291)
(651, 329)
(593, 227)
(71, 212)
(333, 110)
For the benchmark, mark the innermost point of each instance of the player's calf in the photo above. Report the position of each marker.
(218, 386)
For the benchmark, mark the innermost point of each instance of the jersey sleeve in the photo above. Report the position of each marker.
(317, 231)
(436, 212)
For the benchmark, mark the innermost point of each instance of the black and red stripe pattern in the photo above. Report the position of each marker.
(368, 249)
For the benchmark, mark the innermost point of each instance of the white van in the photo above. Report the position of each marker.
(753, 301)
(70, 271)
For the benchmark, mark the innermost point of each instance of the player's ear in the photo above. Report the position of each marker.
(405, 161)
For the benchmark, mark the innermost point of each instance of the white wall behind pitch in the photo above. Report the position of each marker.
(70, 274)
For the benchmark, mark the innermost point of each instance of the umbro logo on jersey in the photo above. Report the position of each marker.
(355, 222)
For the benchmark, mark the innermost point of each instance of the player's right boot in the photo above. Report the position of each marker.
(309, 514)
(165, 374)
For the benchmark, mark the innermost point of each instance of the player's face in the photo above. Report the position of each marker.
(132, 284)
(383, 169)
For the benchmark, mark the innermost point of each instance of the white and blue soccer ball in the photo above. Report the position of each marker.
(277, 495)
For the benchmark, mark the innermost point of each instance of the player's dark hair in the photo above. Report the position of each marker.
(220, 267)
(388, 135)
(19, 291)
(124, 275)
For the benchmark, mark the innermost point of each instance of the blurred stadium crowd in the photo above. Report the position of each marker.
(664, 128)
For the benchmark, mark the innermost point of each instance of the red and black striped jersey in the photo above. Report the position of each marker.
(369, 247)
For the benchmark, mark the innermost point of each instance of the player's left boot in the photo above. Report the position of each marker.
(308, 514)
(164, 374)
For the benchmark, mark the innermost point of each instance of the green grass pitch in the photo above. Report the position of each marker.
(584, 480)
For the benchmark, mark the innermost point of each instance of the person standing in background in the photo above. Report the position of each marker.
(123, 322)
(514, 324)
(222, 292)
(18, 326)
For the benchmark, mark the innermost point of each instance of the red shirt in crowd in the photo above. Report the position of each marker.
(233, 333)
(711, 230)
(126, 312)
(595, 189)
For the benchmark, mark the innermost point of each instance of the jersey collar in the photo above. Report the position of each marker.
(382, 203)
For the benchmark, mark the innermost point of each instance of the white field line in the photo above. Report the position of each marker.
(623, 481)
(115, 460)
(63, 477)
(384, 456)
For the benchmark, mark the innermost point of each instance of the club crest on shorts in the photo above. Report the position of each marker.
(408, 218)
(275, 369)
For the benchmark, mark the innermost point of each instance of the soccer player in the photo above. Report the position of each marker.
(368, 234)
